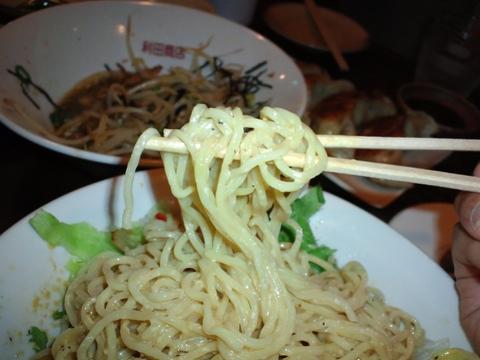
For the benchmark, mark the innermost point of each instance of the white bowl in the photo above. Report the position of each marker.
(64, 44)
(407, 277)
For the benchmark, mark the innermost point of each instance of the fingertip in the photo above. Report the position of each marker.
(468, 209)
(476, 171)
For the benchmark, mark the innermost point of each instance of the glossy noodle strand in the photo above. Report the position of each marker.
(220, 285)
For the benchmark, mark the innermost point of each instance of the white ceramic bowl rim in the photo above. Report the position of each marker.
(291, 92)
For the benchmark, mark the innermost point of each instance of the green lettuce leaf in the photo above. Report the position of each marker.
(322, 252)
(303, 209)
(307, 205)
(81, 240)
(84, 242)
(128, 238)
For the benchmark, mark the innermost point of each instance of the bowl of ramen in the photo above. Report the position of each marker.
(85, 79)
(212, 258)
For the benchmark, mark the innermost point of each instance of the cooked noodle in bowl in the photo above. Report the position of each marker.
(221, 285)
(108, 111)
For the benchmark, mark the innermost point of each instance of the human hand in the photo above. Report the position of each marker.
(466, 261)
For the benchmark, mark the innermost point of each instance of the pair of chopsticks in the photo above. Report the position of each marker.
(324, 31)
(366, 168)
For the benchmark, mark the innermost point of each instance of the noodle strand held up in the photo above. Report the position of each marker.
(221, 286)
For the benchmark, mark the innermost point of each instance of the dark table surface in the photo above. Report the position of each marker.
(32, 175)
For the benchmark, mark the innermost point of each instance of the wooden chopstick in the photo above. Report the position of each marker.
(404, 173)
(398, 143)
(366, 142)
(314, 12)
(355, 167)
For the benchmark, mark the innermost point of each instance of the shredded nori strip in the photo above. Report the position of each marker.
(256, 67)
(26, 81)
(248, 83)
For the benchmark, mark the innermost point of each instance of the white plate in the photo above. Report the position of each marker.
(64, 44)
(30, 270)
(429, 226)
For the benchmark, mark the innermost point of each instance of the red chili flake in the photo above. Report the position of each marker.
(160, 216)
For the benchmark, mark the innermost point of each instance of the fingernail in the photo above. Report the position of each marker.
(475, 217)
